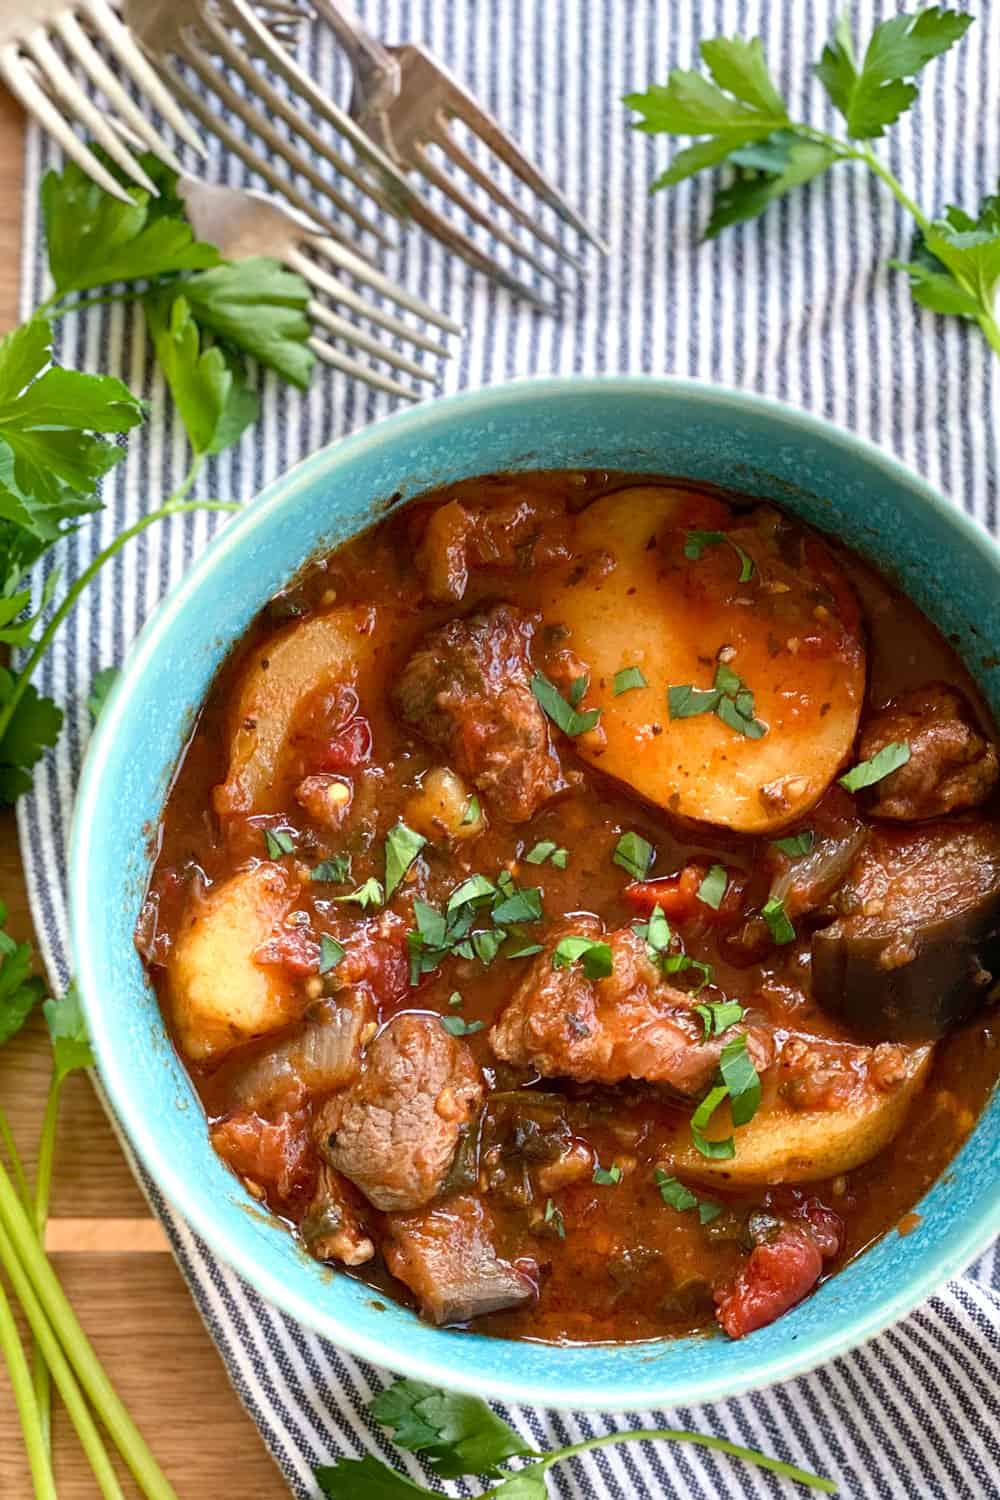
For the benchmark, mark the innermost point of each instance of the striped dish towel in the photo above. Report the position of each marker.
(798, 305)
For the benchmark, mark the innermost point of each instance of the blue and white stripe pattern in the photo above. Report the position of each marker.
(799, 305)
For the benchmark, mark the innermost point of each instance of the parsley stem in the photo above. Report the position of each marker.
(54, 1323)
(79, 1413)
(14, 1157)
(174, 506)
(902, 197)
(40, 1209)
(699, 1439)
(27, 1408)
(55, 312)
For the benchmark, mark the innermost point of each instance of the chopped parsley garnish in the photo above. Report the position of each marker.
(577, 688)
(369, 894)
(564, 715)
(554, 1217)
(455, 999)
(740, 1084)
(778, 920)
(718, 1016)
(627, 679)
(713, 887)
(658, 930)
(796, 844)
(278, 841)
(335, 871)
(696, 541)
(331, 953)
(678, 963)
(475, 891)
(729, 699)
(521, 906)
(676, 1195)
(881, 764)
(607, 1176)
(472, 812)
(527, 951)
(714, 1150)
(402, 846)
(458, 1026)
(658, 937)
(547, 849)
(486, 945)
(634, 854)
(595, 956)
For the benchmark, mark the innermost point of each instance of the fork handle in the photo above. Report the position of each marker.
(373, 65)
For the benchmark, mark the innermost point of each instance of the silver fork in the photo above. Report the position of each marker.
(211, 36)
(243, 223)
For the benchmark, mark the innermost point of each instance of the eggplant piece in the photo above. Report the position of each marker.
(918, 944)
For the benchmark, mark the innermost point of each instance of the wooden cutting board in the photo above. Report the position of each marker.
(111, 1257)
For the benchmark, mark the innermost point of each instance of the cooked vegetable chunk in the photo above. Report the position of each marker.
(787, 639)
(782, 1269)
(219, 994)
(918, 944)
(631, 1024)
(467, 690)
(395, 1130)
(447, 1258)
(832, 1107)
(952, 766)
(324, 1054)
(321, 655)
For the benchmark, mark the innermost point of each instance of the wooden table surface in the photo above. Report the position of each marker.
(110, 1255)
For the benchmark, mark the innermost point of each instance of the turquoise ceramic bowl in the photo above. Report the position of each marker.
(660, 426)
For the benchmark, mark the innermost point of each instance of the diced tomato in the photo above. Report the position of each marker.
(349, 747)
(777, 1275)
(277, 1155)
(677, 895)
(377, 957)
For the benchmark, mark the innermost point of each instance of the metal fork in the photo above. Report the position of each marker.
(243, 223)
(213, 36)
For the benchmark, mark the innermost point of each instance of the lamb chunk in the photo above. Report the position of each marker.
(395, 1130)
(446, 1256)
(631, 1025)
(334, 1227)
(952, 766)
(468, 690)
(917, 944)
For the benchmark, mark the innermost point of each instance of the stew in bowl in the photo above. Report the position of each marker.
(578, 907)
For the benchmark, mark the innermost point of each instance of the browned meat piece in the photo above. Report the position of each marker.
(395, 1130)
(952, 766)
(816, 1074)
(919, 939)
(521, 532)
(631, 1025)
(334, 1227)
(447, 1258)
(468, 691)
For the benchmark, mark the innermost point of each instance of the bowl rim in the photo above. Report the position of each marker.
(941, 1266)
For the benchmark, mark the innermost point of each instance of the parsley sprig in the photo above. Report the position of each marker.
(460, 1436)
(204, 315)
(743, 122)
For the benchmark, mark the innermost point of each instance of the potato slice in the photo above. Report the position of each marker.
(791, 632)
(320, 653)
(781, 1144)
(219, 996)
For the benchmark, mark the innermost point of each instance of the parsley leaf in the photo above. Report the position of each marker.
(456, 1435)
(472, 812)
(564, 715)
(696, 541)
(729, 699)
(331, 953)
(715, 1150)
(211, 398)
(474, 891)
(335, 871)
(526, 952)
(685, 701)
(103, 682)
(458, 1026)
(780, 923)
(278, 842)
(741, 1079)
(68, 1034)
(596, 957)
(34, 727)
(541, 852)
(880, 765)
(256, 307)
(94, 239)
(521, 906)
(351, 1478)
(713, 887)
(796, 844)
(607, 1176)
(554, 1217)
(874, 95)
(369, 894)
(719, 1016)
(676, 1195)
(20, 990)
(634, 854)
(628, 679)
(402, 846)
